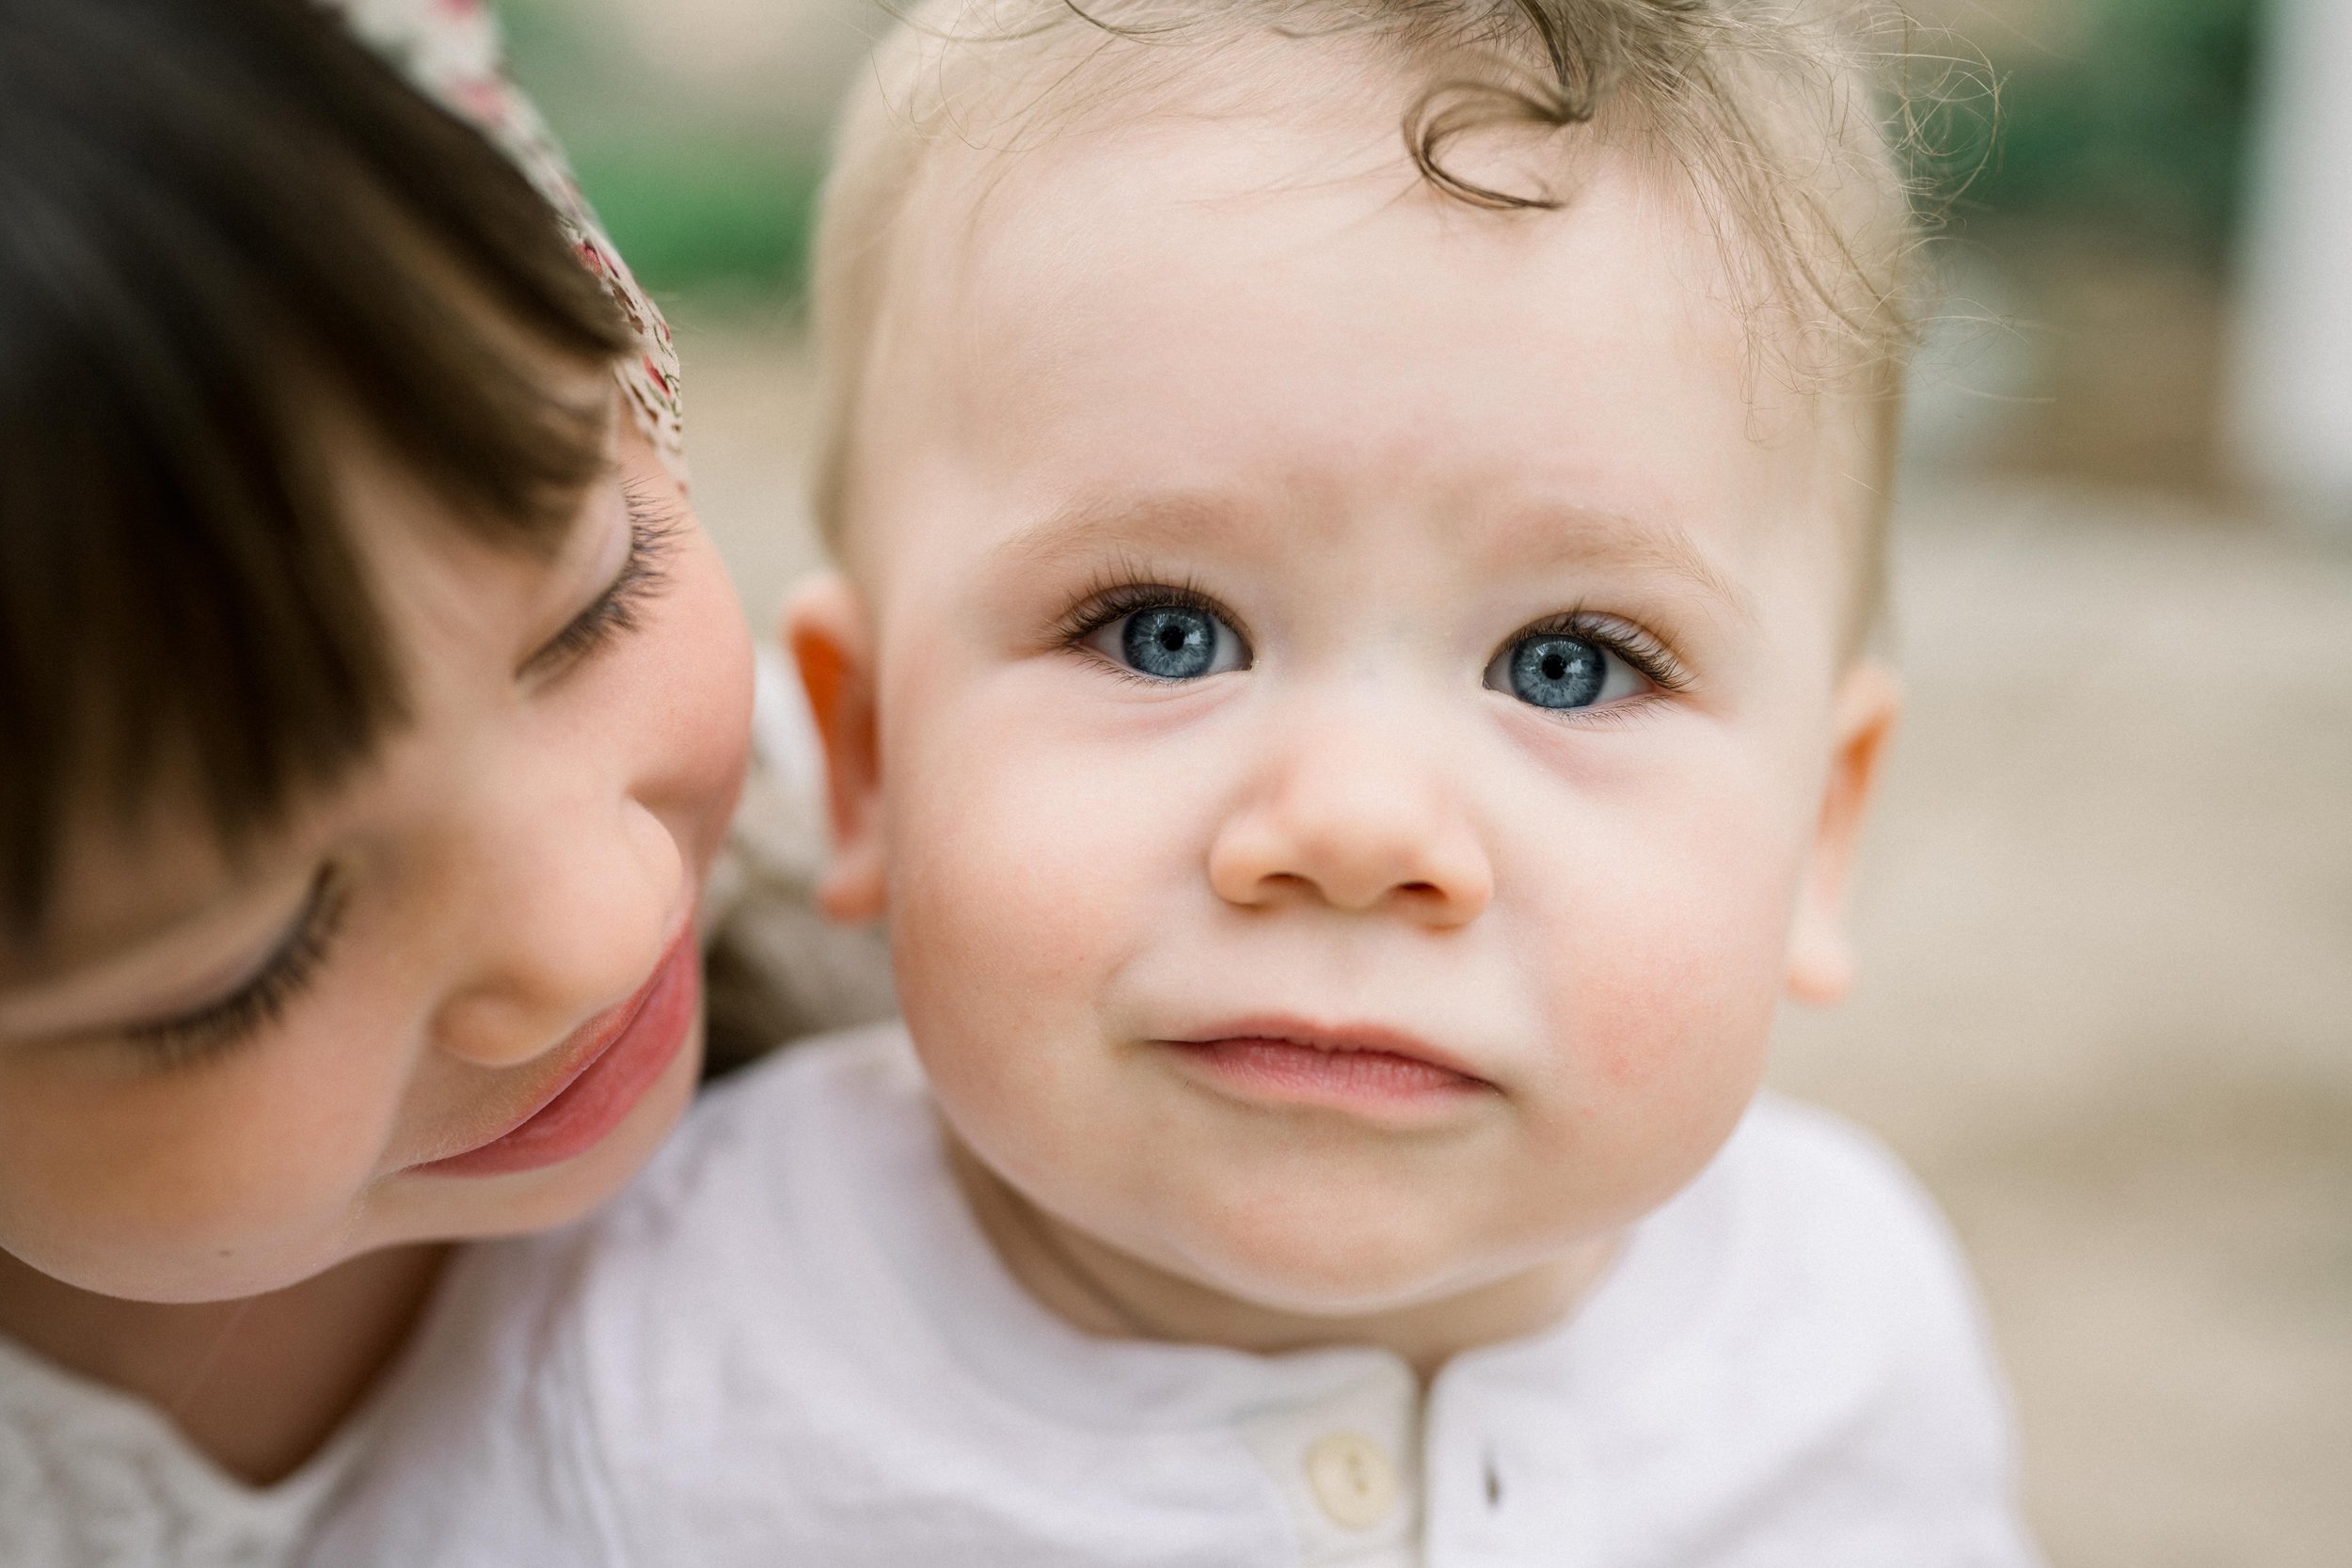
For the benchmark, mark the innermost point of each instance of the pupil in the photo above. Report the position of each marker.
(1554, 667)
(1172, 637)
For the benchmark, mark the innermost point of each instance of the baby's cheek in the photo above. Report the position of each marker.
(1661, 1016)
(1030, 872)
(1669, 1021)
(988, 936)
(1042, 869)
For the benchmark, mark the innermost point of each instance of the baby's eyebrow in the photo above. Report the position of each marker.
(1556, 535)
(1542, 537)
(1085, 529)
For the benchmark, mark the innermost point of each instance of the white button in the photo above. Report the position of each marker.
(1352, 1479)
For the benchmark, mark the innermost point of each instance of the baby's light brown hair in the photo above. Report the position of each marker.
(1772, 114)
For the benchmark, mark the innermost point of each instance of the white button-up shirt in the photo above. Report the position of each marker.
(789, 1343)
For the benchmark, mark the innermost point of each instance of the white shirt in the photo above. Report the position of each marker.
(91, 1477)
(789, 1344)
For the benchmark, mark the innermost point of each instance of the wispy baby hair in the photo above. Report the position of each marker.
(1772, 113)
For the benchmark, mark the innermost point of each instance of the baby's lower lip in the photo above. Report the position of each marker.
(646, 1033)
(1295, 1073)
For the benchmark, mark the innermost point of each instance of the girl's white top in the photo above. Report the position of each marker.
(91, 1477)
(790, 1343)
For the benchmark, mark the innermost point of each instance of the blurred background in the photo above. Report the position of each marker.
(2107, 917)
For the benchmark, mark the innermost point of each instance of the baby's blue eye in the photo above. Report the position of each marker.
(1171, 643)
(1557, 669)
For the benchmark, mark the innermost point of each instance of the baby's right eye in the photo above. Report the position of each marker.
(1169, 640)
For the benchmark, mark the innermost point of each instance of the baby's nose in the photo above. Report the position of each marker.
(1356, 827)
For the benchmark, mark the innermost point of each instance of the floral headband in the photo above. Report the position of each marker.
(448, 49)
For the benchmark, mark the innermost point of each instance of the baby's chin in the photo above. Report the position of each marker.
(1336, 1297)
(1310, 1266)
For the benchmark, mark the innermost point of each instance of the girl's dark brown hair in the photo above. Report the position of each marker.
(215, 215)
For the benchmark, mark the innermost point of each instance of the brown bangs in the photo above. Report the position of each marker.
(218, 210)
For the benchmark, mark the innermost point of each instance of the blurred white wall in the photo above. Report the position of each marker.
(2291, 410)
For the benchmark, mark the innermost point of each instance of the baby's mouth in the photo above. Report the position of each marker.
(1354, 1067)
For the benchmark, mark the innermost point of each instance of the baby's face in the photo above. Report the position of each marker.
(1361, 742)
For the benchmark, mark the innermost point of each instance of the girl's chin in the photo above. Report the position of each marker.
(404, 1210)
(418, 1207)
(191, 1278)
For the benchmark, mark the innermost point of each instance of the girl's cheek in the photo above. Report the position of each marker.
(696, 751)
(199, 1183)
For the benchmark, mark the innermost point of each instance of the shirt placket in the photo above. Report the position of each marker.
(1506, 1480)
(1348, 1466)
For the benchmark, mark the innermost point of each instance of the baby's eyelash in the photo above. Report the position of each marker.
(642, 575)
(219, 1026)
(1116, 593)
(1635, 644)
(1114, 596)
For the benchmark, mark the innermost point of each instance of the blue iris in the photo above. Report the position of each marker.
(1171, 642)
(1552, 671)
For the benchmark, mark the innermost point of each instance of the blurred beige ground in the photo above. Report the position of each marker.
(2107, 1012)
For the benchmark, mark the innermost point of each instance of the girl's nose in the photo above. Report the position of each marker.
(585, 900)
(1356, 820)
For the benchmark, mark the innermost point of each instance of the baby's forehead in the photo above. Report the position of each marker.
(1005, 201)
(1286, 181)
(1331, 383)
(1193, 290)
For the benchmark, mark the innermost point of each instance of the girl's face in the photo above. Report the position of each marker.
(457, 997)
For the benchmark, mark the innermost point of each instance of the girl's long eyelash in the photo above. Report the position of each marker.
(219, 1026)
(1637, 647)
(641, 577)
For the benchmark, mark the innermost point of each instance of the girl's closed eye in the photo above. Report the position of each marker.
(617, 610)
(202, 1033)
(1579, 661)
(257, 1001)
(1157, 633)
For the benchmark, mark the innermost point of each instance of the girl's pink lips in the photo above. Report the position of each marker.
(1350, 1067)
(610, 1063)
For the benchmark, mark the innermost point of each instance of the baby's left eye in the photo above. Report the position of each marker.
(1170, 642)
(1561, 670)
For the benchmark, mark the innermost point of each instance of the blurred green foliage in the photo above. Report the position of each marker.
(701, 195)
(2136, 133)
(695, 212)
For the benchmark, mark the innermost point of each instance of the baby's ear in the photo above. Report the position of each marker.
(1820, 954)
(826, 628)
